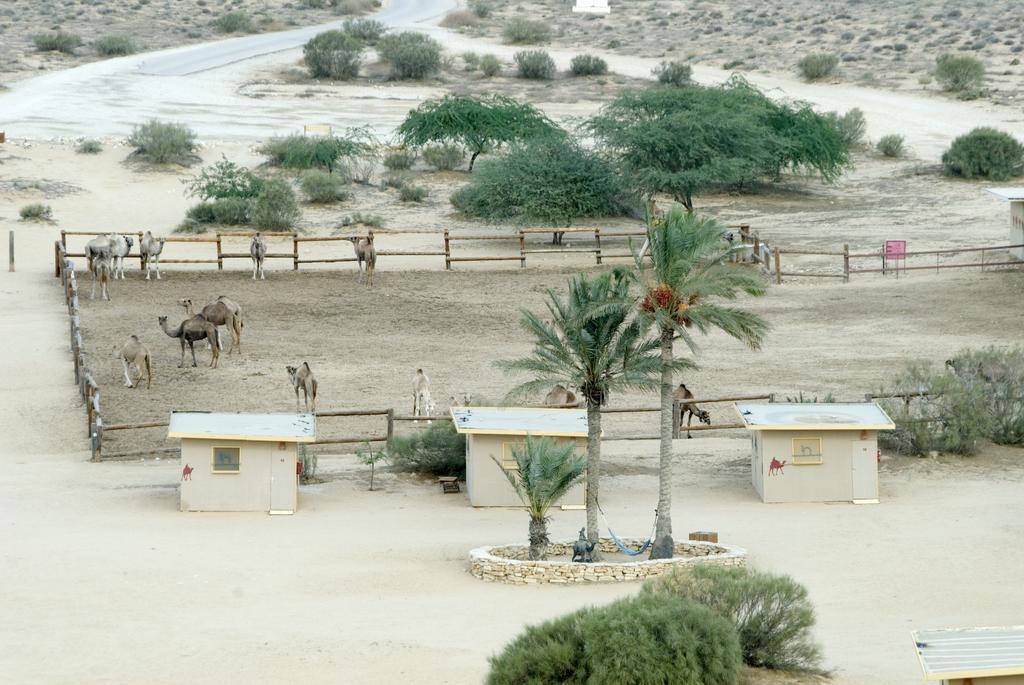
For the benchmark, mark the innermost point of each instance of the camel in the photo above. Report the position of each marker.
(150, 249)
(422, 405)
(135, 353)
(100, 245)
(120, 246)
(302, 377)
(365, 252)
(466, 401)
(990, 373)
(561, 396)
(189, 331)
(681, 394)
(258, 251)
(219, 314)
(101, 270)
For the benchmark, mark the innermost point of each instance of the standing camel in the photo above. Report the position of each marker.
(191, 330)
(134, 353)
(365, 252)
(219, 314)
(302, 377)
(681, 394)
(150, 249)
(258, 252)
(101, 270)
(561, 396)
(100, 245)
(422, 404)
(120, 246)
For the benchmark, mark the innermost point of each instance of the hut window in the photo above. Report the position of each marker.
(806, 450)
(508, 460)
(226, 459)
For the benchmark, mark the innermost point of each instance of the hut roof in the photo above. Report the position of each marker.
(520, 421)
(814, 416)
(952, 653)
(250, 427)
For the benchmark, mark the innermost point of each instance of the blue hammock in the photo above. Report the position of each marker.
(618, 542)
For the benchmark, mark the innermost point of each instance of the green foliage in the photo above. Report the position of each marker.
(1000, 374)
(471, 60)
(891, 145)
(959, 73)
(807, 399)
(490, 65)
(411, 193)
(535, 64)
(89, 146)
(395, 180)
(437, 450)
(314, 4)
(201, 213)
(333, 54)
(460, 19)
(163, 142)
(986, 153)
(361, 219)
(771, 613)
(231, 211)
(478, 123)
(481, 8)
(683, 141)
(400, 159)
(635, 641)
(367, 30)
(311, 152)
(818, 66)
(275, 208)
(674, 74)
(370, 457)
(444, 157)
(520, 30)
(114, 44)
(36, 212)
(588, 65)
(223, 179)
(412, 55)
(320, 186)
(56, 41)
(851, 126)
(235, 21)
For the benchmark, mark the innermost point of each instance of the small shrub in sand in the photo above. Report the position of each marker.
(322, 187)
(535, 64)
(163, 142)
(851, 126)
(444, 157)
(235, 21)
(411, 193)
(890, 145)
(399, 160)
(367, 30)
(460, 19)
(56, 41)
(361, 219)
(36, 212)
(523, 31)
(89, 146)
(231, 211)
(275, 208)
(674, 74)
(353, 6)
(959, 73)
(411, 55)
(817, 66)
(436, 451)
(334, 55)
(310, 152)
(224, 179)
(481, 8)
(984, 153)
(588, 65)
(490, 65)
(395, 180)
(114, 45)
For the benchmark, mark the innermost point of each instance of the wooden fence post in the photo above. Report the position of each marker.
(295, 251)
(220, 255)
(778, 266)
(64, 239)
(10, 250)
(597, 243)
(846, 263)
(56, 259)
(447, 251)
(522, 249)
(391, 424)
(142, 262)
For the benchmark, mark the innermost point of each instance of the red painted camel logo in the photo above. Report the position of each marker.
(186, 473)
(776, 466)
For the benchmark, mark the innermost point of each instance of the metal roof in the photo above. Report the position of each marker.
(814, 416)
(1007, 193)
(520, 421)
(254, 427)
(970, 652)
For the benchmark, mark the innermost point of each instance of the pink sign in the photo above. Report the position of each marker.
(896, 249)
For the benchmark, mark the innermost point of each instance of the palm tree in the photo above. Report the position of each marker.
(594, 343)
(689, 268)
(545, 471)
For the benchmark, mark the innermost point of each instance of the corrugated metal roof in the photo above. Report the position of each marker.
(970, 652)
(520, 421)
(228, 426)
(1007, 193)
(814, 416)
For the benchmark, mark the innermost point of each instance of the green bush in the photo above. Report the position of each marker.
(395, 180)
(231, 211)
(360, 219)
(333, 54)
(367, 30)
(353, 6)
(957, 73)
(89, 146)
(481, 8)
(56, 41)
(490, 65)
(634, 641)
(588, 65)
(771, 613)
(817, 66)
(400, 159)
(520, 30)
(314, 4)
(460, 19)
(412, 55)
(224, 179)
(535, 64)
(36, 212)
(310, 152)
(674, 74)
(235, 21)
(471, 60)
(201, 213)
(984, 152)
(444, 157)
(851, 126)
(275, 208)
(891, 145)
(320, 186)
(163, 142)
(411, 193)
(437, 450)
(1000, 375)
(114, 44)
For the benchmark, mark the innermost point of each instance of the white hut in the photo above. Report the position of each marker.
(972, 656)
(1015, 196)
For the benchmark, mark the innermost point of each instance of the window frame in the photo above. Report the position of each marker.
(507, 461)
(801, 459)
(213, 459)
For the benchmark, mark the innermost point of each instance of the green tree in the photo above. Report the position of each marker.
(590, 341)
(683, 141)
(545, 470)
(480, 124)
(689, 269)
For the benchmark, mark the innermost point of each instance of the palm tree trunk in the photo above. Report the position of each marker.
(663, 544)
(538, 539)
(593, 472)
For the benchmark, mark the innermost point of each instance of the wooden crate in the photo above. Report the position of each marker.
(704, 536)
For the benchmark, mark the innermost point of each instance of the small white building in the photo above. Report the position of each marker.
(972, 656)
(240, 462)
(492, 432)
(591, 7)
(1015, 196)
(811, 452)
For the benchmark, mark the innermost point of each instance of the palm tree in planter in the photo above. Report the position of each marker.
(592, 342)
(544, 471)
(689, 269)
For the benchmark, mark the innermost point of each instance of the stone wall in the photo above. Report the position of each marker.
(510, 563)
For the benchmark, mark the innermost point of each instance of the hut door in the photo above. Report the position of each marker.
(865, 471)
(282, 481)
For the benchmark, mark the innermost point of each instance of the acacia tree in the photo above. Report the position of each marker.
(479, 123)
(689, 269)
(682, 141)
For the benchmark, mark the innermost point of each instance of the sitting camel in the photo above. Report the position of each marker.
(302, 377)
(219, 314)
(135, 354)
(150, 249)
(191, 330)
(120, 246)
(422, 405)
(561, 396)
(365, 252)
(681, 394)
(101, 270)
(258, 252)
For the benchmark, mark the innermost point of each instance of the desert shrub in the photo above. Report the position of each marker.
(411, 193)
(444, 157)
(223, 179)
(56, 41)
(367, 30)
(353, 6)
(333, 54)
(851, 126)
(674, 73)
(412, 55)
(818, 65)
(634, 641)
(275, 208)
(36, 212)
(360, 219)
(320, 186)
(162, 141)
(490, 65)
(471, 60)
(231, 211)
(314, 4)
(235, 21)
(114, 44)
(520, 30)
(1000, 375)
(481, 8)
(891, 145)
(201, 213)
(310, 152)
(460, 19)
(89, 146)
(588, 65)
(956, 73)
(535, 64)
(400, 159)
(984, 152)
(395, 180)
(771, 613)
(437, 450)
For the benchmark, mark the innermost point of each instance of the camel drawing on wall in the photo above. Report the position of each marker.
(776, 466)
(186, 473)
